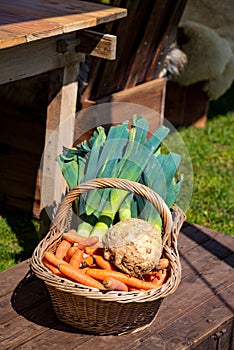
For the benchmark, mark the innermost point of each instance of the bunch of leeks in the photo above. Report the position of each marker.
(124, 152)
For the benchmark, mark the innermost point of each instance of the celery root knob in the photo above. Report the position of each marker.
(133, 245)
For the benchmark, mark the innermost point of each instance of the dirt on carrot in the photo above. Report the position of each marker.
(114, 284)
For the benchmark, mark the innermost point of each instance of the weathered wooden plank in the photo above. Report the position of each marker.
(147, 45)
(202, 322)
(192, 293)
(97, 44)
(10, 278)
(174, 13)
(108, 77)
(43, 20)
(153, 29)
(21, 329)
(203, 256)
(8, 40)
(43, 58)
(60, 337)
(193, 235)
(147, 99)
(150, 94)
(92, 43)
(59, 132)
(29, 293)
(186, 105)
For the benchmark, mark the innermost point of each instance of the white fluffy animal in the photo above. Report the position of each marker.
(207, 39)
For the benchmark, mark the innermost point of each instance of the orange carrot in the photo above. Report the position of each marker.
(70, 252)
(103, 263)
(114, 284)
(52, 268)
(54, 260)
(160, 278)
(76, 258)
(101, 275)
(94, 250)
(62, 249)
(87, 261)
(80, 277)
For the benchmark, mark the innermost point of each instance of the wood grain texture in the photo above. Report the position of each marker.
(25, 21)
(144, 39)
(59, 132)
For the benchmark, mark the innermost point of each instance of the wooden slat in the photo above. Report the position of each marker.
(150, 94)
(174, 13)
(43, 58)
(42, 19)
(92, 43)
(97, 44)
(147, 45)
(108, 77)
(152, 26)
(146, 99)
(12, 276)
(186, 105)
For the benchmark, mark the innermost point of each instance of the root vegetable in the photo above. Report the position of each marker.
(134, 246)
(113, 284)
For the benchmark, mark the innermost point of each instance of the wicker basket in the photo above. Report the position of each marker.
(111, 312)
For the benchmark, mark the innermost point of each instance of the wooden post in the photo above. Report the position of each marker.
(61, 112)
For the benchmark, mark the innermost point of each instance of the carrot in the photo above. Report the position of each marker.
(54, 260)
(160, 278)
(164, 263)
(77, 258)
(52, 268)
(101, 274)
(62, 249)
(114, 284)
(90, 241)
(78, 245)
(87, 261)
(80, 277)
(73, 237)
(103, 263)
(70, 252)
(94, 250)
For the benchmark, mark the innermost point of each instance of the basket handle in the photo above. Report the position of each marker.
(121, 184)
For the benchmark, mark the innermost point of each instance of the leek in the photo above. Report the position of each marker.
(122, 152)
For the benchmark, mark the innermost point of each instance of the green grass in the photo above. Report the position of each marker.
(19, 234)
(212, 205)
(212, 154)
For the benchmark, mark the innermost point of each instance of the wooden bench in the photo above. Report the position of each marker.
(199, 315)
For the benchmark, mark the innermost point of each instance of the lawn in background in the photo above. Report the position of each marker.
(212, 154)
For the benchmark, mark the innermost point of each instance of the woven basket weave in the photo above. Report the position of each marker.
(111, 312)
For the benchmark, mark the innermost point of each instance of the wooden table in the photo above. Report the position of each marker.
(38, 36)
(199, 315)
